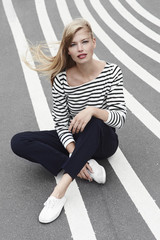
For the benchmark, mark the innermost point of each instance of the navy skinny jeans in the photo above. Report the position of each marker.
(97, 141)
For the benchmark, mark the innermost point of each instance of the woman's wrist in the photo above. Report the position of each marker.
(92, 110)
(70, 147)
(99, 113)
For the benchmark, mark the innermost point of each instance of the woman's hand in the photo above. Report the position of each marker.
(84, 174)
(79, 122)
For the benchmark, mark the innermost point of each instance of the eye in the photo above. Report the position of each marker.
(72, 44)
(85, 41)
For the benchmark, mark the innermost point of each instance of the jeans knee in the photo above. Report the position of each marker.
(17, 143)
(96, 122)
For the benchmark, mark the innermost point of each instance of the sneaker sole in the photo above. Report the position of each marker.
(104, 175)
(51, 220)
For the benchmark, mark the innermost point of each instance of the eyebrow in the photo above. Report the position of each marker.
(81, 40)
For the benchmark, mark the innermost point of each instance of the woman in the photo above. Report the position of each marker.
(88, 104)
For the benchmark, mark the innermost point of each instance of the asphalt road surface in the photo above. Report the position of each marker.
(127, 206)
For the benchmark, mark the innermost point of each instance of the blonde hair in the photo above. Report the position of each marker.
(52, 65)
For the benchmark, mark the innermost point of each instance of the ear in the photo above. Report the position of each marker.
(94, 42)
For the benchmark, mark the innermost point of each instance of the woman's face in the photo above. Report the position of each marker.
(82, 46)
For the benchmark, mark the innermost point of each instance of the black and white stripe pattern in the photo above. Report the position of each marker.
(104, 92)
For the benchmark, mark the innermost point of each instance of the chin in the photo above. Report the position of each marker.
(85, 60)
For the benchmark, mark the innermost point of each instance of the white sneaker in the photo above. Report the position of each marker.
(52, 209)
(99, 173)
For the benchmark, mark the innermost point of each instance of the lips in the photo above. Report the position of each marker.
(81, 56)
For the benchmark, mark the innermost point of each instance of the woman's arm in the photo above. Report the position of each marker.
(70, 147)
(83, 117)
(60, 113)
(100, 113)
(116, 106)
(113, 115)
(83, 174)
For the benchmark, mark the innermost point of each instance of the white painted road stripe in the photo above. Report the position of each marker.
(35, 89)
(136, 108)
(132, 184)
(117, 51)
(143, 12)
(13, 19)
(134, 21)
(44, 21)
(75, 210)
(141, 198)
(101, 11)
(142, 114)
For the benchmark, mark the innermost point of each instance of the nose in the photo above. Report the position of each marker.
(79, 47)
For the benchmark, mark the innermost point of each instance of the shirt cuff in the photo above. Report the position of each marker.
(109, 117)
(68, 141)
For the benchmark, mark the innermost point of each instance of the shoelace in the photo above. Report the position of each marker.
(50, 203)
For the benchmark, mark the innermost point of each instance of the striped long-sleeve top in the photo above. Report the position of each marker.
(104, 92)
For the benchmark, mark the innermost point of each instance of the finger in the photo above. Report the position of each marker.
(79, 175)
(72, 123)
(86, 173)
(83, 126)
(70, 126)
(88, 176)
(78, 129)
(74, 129)
(84, 176)
(89, 167)
(75, 126)
(83, 173)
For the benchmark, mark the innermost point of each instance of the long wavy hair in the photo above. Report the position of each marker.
(52, 65)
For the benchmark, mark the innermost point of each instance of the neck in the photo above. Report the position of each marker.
(87, 69)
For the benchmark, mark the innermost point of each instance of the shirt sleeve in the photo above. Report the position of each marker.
(60, 113)
(116, 105)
